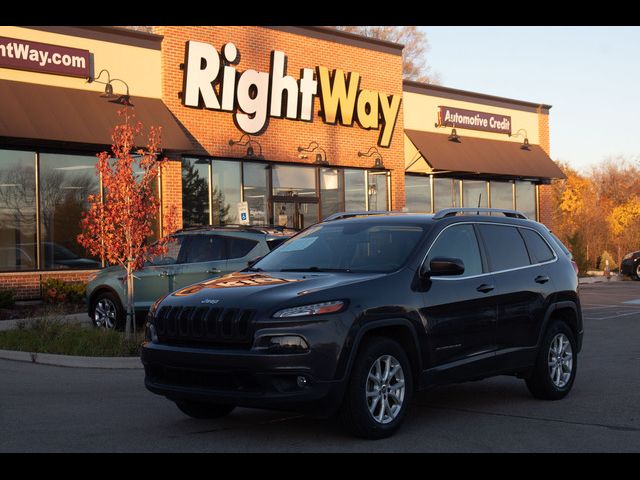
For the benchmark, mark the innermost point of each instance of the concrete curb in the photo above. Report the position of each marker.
(122, 363)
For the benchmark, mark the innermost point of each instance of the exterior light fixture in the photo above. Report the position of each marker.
(108, 89)
(454, 136)
(247, 143)
(378, 163)
(525, 143)
(312, 147)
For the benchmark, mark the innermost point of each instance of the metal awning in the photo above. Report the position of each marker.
(53, 114)
(480, 156)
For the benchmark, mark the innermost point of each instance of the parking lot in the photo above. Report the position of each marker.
(55, 409)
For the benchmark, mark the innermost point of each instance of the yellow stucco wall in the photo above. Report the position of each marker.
(138, 67)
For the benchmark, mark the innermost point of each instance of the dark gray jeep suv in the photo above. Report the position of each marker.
(354, 314)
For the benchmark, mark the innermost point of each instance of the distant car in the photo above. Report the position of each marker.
(195, 254)
(631, 265)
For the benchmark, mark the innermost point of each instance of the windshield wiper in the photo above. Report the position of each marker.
(316, 269)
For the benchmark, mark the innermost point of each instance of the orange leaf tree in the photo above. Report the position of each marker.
(118, 224)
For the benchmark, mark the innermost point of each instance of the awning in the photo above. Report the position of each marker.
(55, 114)
(482, 156)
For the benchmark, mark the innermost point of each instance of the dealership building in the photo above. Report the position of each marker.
(261, 125)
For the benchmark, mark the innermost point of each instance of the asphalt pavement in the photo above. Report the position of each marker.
(46, 408)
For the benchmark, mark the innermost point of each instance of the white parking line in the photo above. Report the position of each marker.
(633, 302)
(612, 316)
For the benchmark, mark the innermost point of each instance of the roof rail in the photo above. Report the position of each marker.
(450, 212)
(340, 215)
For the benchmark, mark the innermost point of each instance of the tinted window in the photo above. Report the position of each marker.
(561, 246)
(364, 245)
(538, 248)
(275, 242)
(239, 247)
(460, 242)
(204, 248)
(505, 247)
(173, 252)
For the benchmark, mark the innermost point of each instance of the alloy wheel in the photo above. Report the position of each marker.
(385, 389)
(560, 360)
(104, 315)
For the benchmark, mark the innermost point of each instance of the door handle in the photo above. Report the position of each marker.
(213, 270)
(541, 279)
(485, 288)
(166, 274)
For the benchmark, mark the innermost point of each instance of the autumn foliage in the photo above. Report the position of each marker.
(118, 225)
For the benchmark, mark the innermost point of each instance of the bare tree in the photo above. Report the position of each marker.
(416, 46)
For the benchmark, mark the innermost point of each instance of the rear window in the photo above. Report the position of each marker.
(538, 248)
(204, 248)
(239, 247)
(505, 247)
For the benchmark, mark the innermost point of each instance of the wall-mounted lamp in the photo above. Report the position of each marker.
(108, 89)
(378, 164)
(453, 136)
(319, 159)
(250, 151)
(525, 143)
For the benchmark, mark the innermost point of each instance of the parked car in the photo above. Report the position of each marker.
(630, 265)
(354, 314)
(193, 255)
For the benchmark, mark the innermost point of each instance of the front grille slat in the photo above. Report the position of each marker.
(205, 326)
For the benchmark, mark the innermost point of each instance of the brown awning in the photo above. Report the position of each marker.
(55, 114)
(482, 156)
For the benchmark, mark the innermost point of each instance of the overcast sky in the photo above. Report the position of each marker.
(590, 75)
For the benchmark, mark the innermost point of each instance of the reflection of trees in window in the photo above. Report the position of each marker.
(17, 196)
(220, 208)
(195, 196)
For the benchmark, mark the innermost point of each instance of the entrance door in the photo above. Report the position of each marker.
(295, 212)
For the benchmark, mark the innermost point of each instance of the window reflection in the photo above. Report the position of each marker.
(226, 191)
(474, 193)
(417, 193)
(65, 182)
(354, 190)
(377, 190)
(255, 191)
(195, 192)
(330, 188)
(526, 199)
(502, 195)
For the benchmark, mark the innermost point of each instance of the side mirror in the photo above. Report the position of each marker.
(253, 261)
(442, 266)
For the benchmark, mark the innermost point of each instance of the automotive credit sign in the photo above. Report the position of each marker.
(43, 57)
(486, 122)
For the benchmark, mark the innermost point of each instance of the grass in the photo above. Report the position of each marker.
(59, 337)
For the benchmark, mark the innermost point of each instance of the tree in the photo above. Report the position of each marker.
(119, 225)
(415, 44)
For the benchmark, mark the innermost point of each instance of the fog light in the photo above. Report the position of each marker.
(301, 381)
(282, 344)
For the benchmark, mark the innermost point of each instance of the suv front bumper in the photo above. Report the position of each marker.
(238, 377)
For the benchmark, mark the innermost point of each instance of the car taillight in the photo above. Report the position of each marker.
(575, 266)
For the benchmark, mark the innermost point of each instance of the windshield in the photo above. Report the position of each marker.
(361, 246)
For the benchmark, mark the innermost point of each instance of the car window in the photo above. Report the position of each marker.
(173, 252)
(538, 248)
(505, 247)
(459, 241)
(561, 245)
(274, 242)
(239, 247)
(204, 248)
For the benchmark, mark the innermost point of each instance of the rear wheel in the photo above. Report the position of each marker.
(557, 363)
(379, 390)
(636, 276)
(204, 410)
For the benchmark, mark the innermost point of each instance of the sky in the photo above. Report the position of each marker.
(590, 76)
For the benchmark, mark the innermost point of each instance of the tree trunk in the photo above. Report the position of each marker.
(130, 327)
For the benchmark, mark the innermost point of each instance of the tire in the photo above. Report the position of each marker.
(204, 410)
(364, 397)
(549, 381)
(636, 275)
(107, 312)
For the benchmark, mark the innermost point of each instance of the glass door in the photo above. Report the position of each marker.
(295, 196)
(294, 211)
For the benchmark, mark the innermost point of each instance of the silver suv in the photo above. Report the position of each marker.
(194, 255)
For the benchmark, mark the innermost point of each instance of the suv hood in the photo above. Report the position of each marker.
(263, 290)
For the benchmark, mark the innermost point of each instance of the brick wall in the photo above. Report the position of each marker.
(545, 191)
(26, 286)
(279, 141)
(171, 184)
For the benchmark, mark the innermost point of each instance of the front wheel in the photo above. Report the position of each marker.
(557, 363)
(379, 390)
(108, 312)
(204, 410)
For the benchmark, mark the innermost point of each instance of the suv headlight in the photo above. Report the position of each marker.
(313, 309)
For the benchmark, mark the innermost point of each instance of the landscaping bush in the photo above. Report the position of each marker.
(58, 291)
(603, 261)
(7, 299)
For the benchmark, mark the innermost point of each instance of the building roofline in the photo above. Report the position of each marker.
(419, 87)
(121, 35)
(334, 35)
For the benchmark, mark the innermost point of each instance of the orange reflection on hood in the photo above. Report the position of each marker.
(233, 281)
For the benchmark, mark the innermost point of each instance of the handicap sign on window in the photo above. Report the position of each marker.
(243, 213)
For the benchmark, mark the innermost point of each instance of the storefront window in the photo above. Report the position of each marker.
(474, 193)
(418, 193)
(65, 183)
(502, 195)
(330, 201)
(195, 192)
(446, 193)
(377, 190)
(289, 180)
(256, 193)
(354, 190)
(17, 210)
(526, 199)
(226, 191)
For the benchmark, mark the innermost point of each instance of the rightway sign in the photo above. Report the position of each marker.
(486, 122)
(43, 57)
